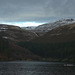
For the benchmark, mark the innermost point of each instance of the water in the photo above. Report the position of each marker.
(36, 68)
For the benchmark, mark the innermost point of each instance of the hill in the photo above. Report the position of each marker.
(15, 33)
(11, 51)
(60, 34)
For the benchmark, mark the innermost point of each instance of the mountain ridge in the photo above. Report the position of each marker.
(42, 29)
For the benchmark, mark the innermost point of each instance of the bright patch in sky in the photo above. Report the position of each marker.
(22, 24)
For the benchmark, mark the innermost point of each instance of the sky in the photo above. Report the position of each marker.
(35, 12)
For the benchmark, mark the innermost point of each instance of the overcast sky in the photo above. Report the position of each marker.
(35, 11)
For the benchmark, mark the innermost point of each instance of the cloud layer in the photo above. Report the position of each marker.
(36, 10)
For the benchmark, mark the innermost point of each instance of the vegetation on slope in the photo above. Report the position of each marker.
(60, 51)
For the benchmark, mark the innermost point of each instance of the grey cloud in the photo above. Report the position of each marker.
(35, 10)
(61, 8)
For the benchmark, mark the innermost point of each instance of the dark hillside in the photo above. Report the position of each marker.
(11, 51)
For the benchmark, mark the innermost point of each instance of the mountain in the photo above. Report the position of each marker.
(15, 33)
(29, 28)
(42, 29)
(56, 45)
(59, 34)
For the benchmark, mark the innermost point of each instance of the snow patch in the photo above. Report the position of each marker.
(49, 26)
(5, 37)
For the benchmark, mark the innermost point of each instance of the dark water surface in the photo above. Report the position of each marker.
(36, 68)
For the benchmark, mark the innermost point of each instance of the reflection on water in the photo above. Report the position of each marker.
(36, 68)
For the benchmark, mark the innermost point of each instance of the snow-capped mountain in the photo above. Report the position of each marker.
(49, 26)
(29, 27)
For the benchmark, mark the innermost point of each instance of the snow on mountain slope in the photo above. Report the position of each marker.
(29, 28)
(49, 26)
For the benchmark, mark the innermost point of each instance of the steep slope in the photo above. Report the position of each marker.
(42, 29)
(15, 33)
